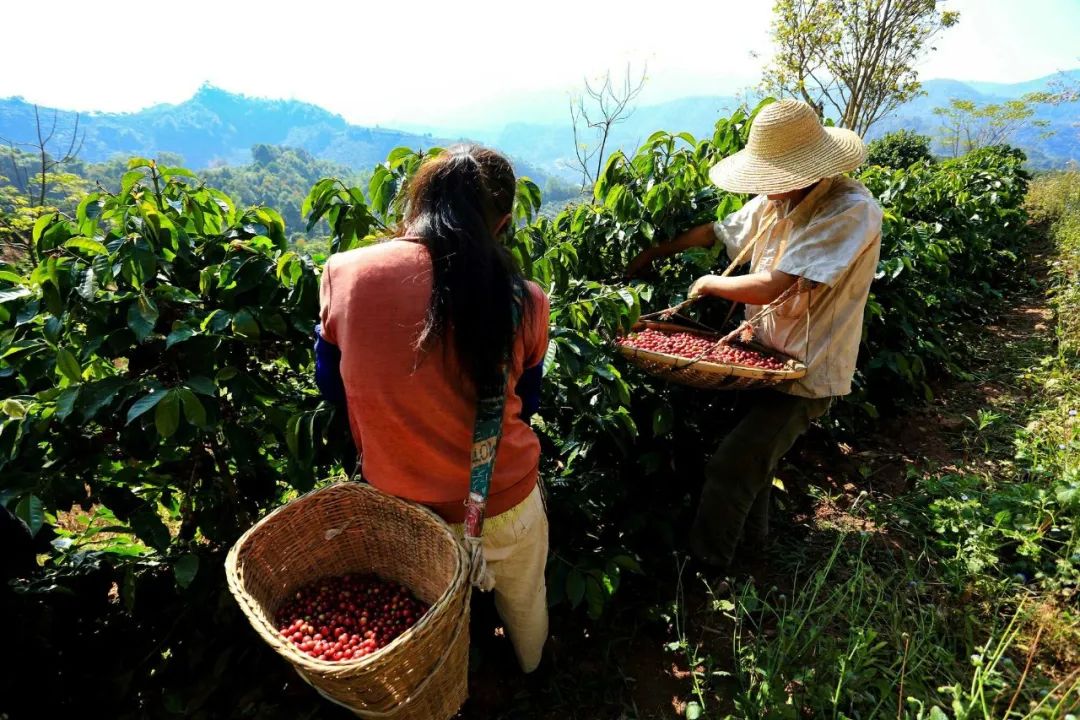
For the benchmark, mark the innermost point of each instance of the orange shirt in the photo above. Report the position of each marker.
(412, 413)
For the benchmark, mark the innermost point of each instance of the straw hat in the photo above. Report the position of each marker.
(788, 150)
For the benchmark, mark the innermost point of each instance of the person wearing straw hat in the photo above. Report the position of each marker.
(814, 238)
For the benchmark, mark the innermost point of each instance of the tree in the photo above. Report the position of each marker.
(599, 110)
(45, 147)
(19, 197)
(50, 151)
(899, 150)
(854, 58)
(968, 125)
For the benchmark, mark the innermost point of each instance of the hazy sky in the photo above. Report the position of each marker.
(438, 62)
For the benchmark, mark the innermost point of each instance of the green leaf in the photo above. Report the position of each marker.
(88, 210)
(693, 710)
(244, 325)
(292, 434)
(87, 245)
(594, 596)
(128, 180)
(149, 528)
(168, 172)
(65, 402)
(9, 294)
(31, 512)
(53, 327)
(185, 568)
(381, 189)
(141, 317)
(627, 562)
(178, 335)
(663, 420)
(202, 385)
(42, 222)
(549, 358)
(145, 403)
(96, 395)
(167, 414)
(397, 156)
(138, 162)
(215, 322)
(575, 587)
(88, 286)
(193, 408)
(68, 365)
(13, 409)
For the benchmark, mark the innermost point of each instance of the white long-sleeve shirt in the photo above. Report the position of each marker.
(832, 237)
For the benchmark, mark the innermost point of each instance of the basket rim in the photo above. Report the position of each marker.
(234, 577)
(675, 362)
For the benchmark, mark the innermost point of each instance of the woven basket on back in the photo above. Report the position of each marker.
(346, 528)
(709, 375)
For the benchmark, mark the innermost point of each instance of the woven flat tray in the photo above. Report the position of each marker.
(707, 374)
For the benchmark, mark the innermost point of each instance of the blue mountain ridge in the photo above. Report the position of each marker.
(216, 127)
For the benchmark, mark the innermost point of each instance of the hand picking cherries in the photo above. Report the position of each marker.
(347, 617)
(694, 346)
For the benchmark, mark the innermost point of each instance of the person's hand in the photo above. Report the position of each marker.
(640, 263)
(702, 286)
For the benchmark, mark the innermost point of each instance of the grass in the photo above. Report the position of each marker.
(956, 598)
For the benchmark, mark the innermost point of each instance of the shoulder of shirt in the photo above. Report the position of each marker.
(751, 207)
(535, 289)
(538, 295)
(755, 203)
(386, 250)
(847, 194)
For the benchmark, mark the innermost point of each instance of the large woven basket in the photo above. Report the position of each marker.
(350, 527)
(709, 375)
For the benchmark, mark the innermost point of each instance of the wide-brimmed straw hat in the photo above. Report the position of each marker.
(788, 150)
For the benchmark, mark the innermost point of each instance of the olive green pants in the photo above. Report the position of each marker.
(734, 501)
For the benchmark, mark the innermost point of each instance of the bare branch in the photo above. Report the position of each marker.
(609, 104)
(69, 155)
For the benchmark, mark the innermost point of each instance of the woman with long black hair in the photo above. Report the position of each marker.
(421, 328)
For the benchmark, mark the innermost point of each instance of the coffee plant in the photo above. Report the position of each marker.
(899, 150)
(156, 389)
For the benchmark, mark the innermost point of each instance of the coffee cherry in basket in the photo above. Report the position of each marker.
(347, 617)
(693, 346)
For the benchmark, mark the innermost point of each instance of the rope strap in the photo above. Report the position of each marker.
(487, 431)
(747, 325)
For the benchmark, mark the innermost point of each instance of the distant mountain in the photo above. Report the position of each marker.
(216, 127)
(550, 145)
(1015, 90)
(1050, 146)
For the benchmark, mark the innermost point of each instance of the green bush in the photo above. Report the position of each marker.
(951, 243)
(900, 150)
(156, 360)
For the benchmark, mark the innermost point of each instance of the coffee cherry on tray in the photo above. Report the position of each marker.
(694, 346)
(347, 617)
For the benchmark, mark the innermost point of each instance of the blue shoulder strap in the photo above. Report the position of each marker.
(487, 431)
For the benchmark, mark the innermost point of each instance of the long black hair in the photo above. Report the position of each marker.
(454, 203)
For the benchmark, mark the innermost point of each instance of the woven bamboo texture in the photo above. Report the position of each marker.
(709, 375)
(351, 527)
